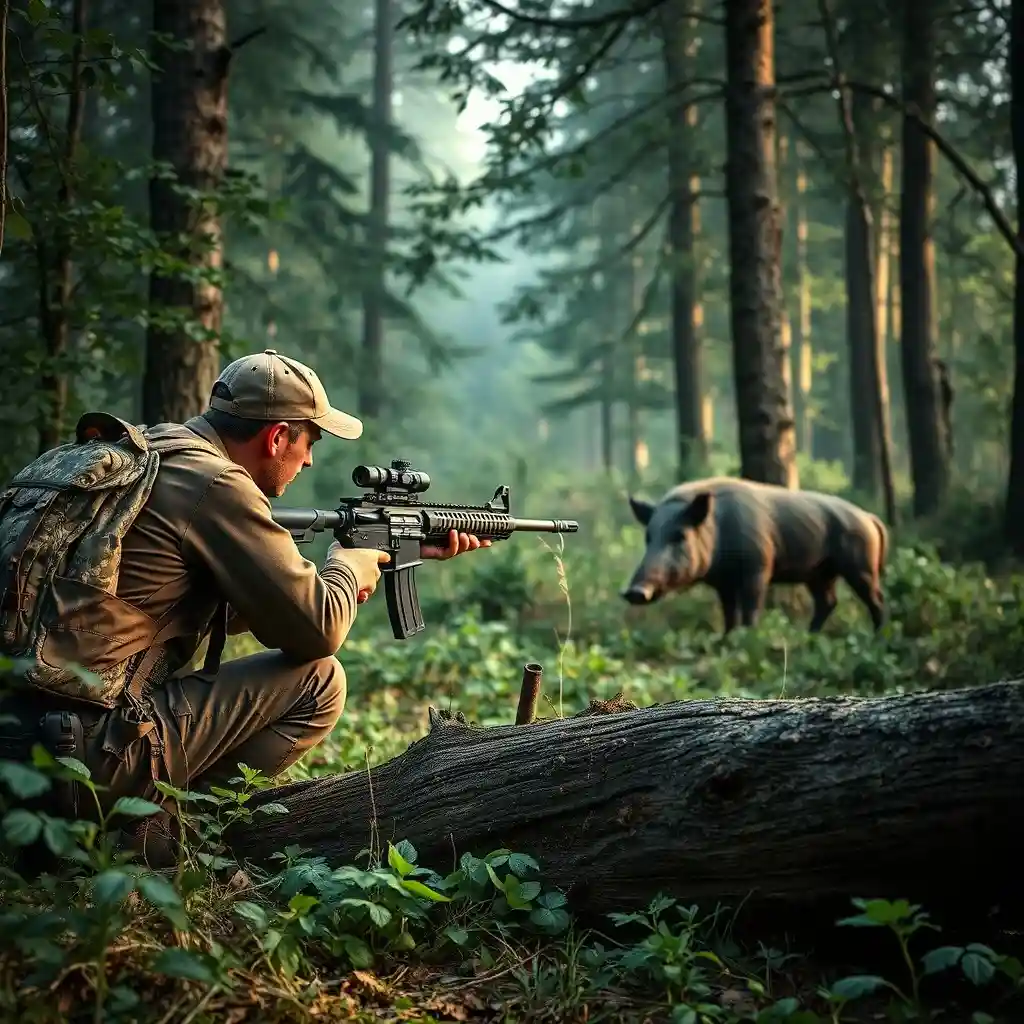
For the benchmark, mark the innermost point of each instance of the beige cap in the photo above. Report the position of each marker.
(269, 386)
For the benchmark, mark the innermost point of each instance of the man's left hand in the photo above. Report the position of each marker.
(457, 543)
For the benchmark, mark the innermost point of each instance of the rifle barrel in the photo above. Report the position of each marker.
(546, 525)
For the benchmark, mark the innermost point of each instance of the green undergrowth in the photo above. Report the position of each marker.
(486, 938)
(106, 939)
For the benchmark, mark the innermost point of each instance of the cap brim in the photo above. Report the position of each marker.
(340, 424)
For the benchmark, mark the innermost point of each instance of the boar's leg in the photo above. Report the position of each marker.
(823, 591)
(866, 587)
(752, 593)
(729, 600)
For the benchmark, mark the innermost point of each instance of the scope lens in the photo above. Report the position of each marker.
(369, 476)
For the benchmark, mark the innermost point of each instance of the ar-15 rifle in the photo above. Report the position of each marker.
(389, 517)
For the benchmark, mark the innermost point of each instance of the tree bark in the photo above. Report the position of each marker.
(883, 240)
(869, 389)
(679, 47)
(634, 355)
(190, 133)
(371, 387)
(766, 429)
(787, 804)
(608, 243)
(56, 259)
(1015, 487)
(802, 353)
(929, 459)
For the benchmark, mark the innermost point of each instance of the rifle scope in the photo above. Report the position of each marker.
(399, 476)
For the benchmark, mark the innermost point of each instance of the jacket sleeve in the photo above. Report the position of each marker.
(279, 595)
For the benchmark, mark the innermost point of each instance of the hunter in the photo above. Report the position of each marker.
(203, 557)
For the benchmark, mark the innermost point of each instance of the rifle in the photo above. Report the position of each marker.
(389, 517)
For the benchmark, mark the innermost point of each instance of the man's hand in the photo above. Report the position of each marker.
(457, 543)
(365, 563)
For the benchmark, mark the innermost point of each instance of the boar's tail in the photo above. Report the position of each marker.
(883, 546)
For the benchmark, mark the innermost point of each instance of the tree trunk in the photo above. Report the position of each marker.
(869, 389)
(190, 133)
(766, 429)
(371, 387)
(603, 226)
(929, 459)
(635, 364)
(607, 424)
(785, 324)
(56, 266)
(802, 351)
(883, 240)
(1015, 489)
(679, 47)
(781, 803)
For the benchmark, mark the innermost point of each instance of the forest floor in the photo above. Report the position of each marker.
(392, 940)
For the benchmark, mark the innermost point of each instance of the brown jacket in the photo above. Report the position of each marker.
(206, 535)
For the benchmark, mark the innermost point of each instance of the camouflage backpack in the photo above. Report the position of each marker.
(62, 520)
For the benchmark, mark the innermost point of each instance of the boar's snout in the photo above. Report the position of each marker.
(639, 593)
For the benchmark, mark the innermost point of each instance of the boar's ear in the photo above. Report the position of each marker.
(643, 510)
(698, 509)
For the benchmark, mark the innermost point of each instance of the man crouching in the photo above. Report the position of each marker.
(204, 557)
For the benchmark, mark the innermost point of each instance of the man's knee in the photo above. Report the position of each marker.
(331, 688)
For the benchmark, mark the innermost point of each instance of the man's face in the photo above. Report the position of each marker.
(285, 458)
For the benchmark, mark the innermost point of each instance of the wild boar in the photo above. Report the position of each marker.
(739, 537)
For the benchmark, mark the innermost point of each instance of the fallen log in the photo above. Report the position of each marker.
(776, 804)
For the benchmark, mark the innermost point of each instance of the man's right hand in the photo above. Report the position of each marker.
(365, 564)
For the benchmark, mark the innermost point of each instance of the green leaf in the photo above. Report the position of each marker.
(135, 807)
(419, 889)
(302, 903)
(357, 951)
(183, 963)
(941, 959)
(553, 921)
(24, 782)
(253, 913)
(529, 891)
(59, 835)
(494, 878)
(273, 808)
(552, 899)
(112, 887)
(21, 827)
(459, 936)
(407, 851)
(520, 864)
(857, 986)
(158, 891)
(398, 863)
(37, 11)
(977, 968)
(379, 914)
(76, 767)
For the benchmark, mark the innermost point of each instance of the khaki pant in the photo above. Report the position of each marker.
(265, 711)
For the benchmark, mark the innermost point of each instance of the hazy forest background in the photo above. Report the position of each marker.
(564, 247)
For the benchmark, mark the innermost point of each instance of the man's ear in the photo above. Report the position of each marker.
(275, 437)
(699, 509)
(643, 510)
